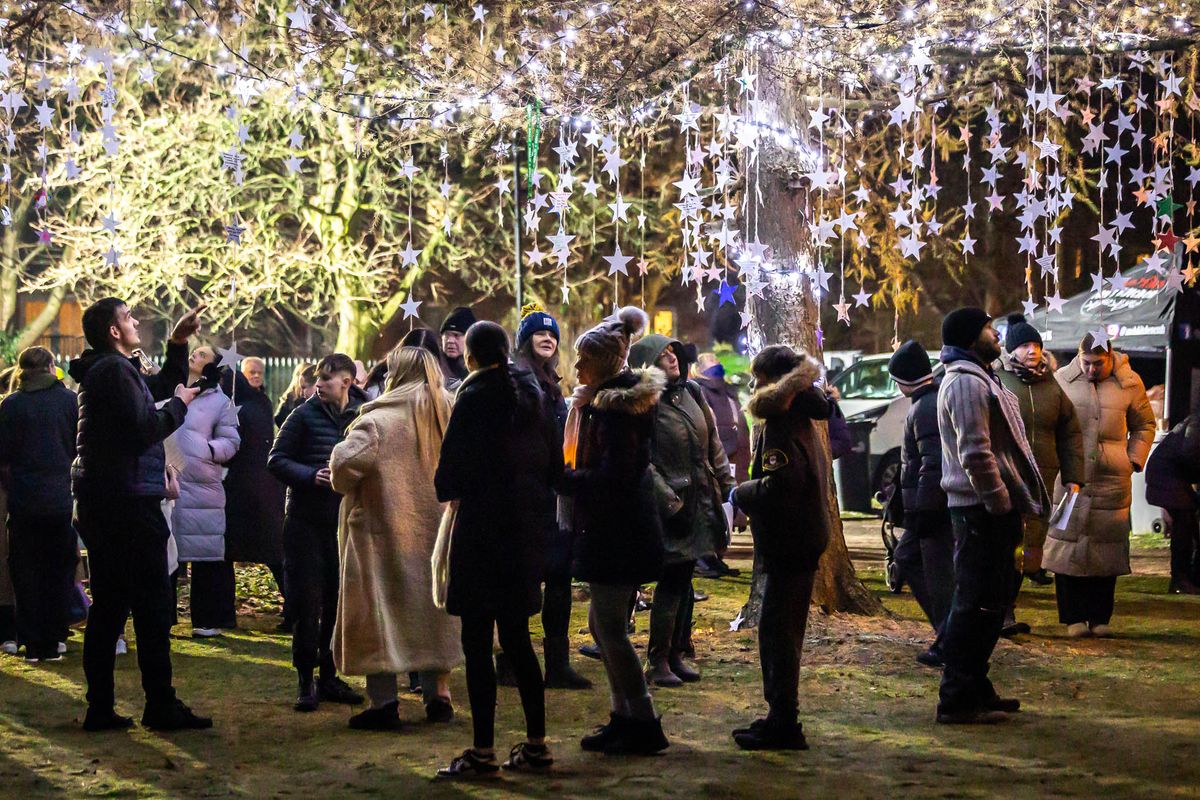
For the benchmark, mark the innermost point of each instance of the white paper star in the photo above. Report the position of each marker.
(229, 356)
(409, 256)
(619, 209)
(617, 261)
(410, 307)
(1055, 302)
(1100, 338)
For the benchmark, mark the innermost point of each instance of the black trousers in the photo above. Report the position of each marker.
(671, 614)
(556, 598)
(781, 626)
(41, 559)
(213, 604)
(126, 539)
(1087, 600)
(311, 563)
(985, 552)
(513, 630)
(925, 556)
(1185, 545)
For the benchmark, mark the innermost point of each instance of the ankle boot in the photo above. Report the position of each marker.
(658, 672)
(682, 670)
(559, 673)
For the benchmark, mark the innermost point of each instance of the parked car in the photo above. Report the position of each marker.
(870, 396)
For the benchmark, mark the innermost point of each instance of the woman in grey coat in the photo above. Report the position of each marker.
(207, 439)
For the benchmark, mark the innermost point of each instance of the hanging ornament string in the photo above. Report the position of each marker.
(533, 138)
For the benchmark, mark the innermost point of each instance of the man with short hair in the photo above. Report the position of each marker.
(254, 369)
(454, 333)
(300, 459)
(990, 479)
(119, 482)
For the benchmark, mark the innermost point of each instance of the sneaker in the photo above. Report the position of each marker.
(590, 651)
(1102, 631)
(174, 716)
(974, 716)
(10, 648)
(98, 720)
(773, 736)
(206, 633)
(603, 735)
(699, 596)
(1040, 578)
(336, 690)
(931, 658)
(469, 765)
(638, 737)
(122, 647)
(528, 756)
(307, 698)
(1078, 630)
(439, 711)
(384, 718)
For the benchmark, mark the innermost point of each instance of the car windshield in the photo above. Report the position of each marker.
(867, 380)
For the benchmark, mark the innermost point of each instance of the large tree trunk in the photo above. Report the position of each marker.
(787, 313)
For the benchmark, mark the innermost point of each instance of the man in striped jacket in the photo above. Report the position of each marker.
(990, 479)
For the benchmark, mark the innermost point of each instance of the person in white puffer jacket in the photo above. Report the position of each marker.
(207, 439)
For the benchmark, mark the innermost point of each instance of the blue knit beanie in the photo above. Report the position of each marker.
(533, 319)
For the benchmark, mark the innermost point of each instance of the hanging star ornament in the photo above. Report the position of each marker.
(229, 356)
(618, 262)
(409, 256)
(410, 307)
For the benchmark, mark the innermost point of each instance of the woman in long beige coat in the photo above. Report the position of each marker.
(387, 623)
(1118, 429)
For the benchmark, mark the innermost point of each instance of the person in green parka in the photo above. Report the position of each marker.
(1052, 427)
(691, 477)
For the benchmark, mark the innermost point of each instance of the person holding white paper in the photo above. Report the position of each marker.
(1118, 429)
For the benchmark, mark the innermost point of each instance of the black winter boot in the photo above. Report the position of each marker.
(306, 697)
(639, 737)
(559, 673)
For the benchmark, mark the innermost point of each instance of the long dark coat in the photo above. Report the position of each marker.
(500, 460)
(253, 496)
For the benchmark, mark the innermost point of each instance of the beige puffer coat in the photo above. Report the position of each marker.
(1118, 429)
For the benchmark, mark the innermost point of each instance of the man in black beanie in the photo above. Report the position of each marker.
(454, 333)
(925, 555)
(990, 479)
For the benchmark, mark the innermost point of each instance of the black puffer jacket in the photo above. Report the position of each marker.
(613, 510)
(37, 445)
(787, 496)
(501, 457)
(302, 448)
(119, 449)
(1174, 467)
(921, 454)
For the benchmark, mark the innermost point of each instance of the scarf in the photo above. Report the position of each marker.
(1028, 374)
(579, 400)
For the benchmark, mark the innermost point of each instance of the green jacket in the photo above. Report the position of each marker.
(1051, 425)
(689, 467)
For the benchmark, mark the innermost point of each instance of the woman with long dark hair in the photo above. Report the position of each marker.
(499, 461)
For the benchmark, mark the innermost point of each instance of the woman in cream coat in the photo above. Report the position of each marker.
(387, 623)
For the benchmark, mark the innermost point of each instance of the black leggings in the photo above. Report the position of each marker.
(481, 673)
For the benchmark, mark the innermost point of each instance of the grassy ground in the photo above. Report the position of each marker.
(1103, 718)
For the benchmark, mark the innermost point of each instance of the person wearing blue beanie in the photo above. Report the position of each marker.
(535, 320)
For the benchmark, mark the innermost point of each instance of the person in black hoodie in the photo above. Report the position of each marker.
(300, 459)
(499, 462)
(925, 554)
(787, 500)
(119, 481)
(37, 445)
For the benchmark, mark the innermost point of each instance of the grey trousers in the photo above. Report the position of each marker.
(608, 619)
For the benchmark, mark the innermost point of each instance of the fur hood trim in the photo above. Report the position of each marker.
(774, 400)
(636, 399)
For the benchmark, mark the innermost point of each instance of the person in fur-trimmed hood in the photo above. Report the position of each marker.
(787, 500)
(607, 500)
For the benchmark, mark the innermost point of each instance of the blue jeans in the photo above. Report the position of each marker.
(985, 548)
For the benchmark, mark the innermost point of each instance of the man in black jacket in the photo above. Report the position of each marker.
(119, 480)
(787, 500)
(925, 554)
(37, 444)
(300, 458)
